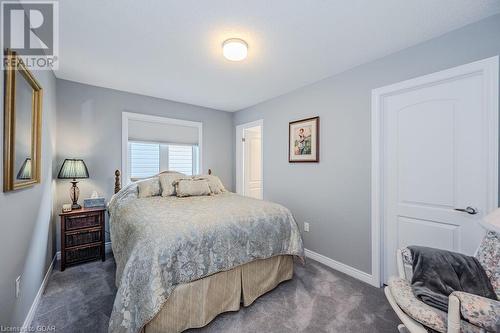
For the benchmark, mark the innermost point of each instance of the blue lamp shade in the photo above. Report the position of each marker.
(25, 171)
(73, 169)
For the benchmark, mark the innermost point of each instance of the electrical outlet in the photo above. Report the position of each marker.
(18, 286)
(306, 226)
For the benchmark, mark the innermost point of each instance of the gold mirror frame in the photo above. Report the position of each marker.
(13, 63)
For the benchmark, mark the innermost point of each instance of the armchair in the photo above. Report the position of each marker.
(467, 313)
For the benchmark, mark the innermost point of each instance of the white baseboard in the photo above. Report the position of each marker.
(107, 249)
(346, 269)
(34, 305)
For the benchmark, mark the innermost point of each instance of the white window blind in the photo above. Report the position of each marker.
(144, 159)
(139, 130)
(180, 158)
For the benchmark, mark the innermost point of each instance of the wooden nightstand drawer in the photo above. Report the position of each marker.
(80, 237)
(83, 254)
(82, 221)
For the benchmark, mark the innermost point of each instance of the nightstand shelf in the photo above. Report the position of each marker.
(82, 236)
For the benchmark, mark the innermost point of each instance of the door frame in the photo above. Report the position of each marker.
(239, 172)
(488, 69)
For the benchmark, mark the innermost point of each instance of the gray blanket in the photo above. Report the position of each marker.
(437, 273)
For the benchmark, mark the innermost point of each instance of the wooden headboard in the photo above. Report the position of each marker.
(118, 184)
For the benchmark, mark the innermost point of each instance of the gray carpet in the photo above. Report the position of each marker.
(318, 299)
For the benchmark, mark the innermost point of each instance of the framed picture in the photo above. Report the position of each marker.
(303, 140)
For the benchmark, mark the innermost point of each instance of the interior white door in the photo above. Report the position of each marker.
(252, 169)
(435, 166)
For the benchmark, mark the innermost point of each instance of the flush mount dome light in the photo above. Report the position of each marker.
(235, 49)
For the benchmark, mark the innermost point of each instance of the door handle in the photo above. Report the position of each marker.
(469, 210)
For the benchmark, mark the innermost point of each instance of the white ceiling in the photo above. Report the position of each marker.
(172, 49)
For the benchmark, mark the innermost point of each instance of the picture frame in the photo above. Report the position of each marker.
(303, 141)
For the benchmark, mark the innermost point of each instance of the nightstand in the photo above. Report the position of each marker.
(82, 236)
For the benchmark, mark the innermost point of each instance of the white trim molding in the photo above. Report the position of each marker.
(346, 269)
(126, 116)
(36, 301)
(239, 153)
(488, 68)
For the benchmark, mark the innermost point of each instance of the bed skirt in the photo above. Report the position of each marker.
(197, 303)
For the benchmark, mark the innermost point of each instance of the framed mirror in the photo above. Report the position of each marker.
(22, 125)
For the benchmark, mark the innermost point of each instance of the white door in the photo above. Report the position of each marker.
(249, 159)
(437, 160)
(252, 147)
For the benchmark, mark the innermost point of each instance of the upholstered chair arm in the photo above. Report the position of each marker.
(400, 290)
(405, 263)
(480, 311)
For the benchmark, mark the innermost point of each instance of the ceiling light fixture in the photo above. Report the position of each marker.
(235, 49)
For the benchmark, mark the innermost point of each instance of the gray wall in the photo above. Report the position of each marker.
(89, 124)
(27, 240)
(334, 195)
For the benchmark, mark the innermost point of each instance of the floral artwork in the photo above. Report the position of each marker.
(304, 140)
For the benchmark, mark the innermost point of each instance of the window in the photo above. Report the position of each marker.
(183, 159)
(151, 144)
(146, 159)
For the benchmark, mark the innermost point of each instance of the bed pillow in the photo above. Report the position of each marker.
(214, 183)
(187, 187)
(149, 187)
(167, 180)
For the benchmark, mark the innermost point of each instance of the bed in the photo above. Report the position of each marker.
(182, 261)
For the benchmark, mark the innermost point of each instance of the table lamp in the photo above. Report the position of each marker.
(74, 169)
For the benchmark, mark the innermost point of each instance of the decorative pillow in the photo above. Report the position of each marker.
(167, 180)
(214, 183)
(149, 187)
(186, 187)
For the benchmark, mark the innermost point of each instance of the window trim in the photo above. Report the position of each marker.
(126, 116)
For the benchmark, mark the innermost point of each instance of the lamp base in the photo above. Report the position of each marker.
(74, 193)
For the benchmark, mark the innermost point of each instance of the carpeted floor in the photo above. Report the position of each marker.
(318, 299)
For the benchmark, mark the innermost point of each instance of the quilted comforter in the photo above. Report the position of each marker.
(160, 242)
